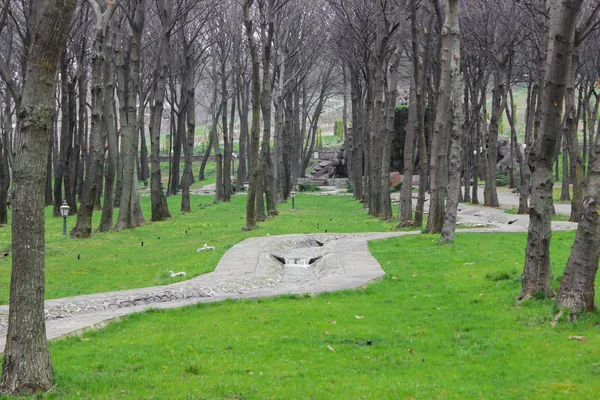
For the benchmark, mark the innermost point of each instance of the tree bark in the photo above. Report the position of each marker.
(255, 130)
(577, 286)
(106, 222)
(160, 209)
(536, 273)
(95, 161)
(454, 167)
(439, 144)
(27, 367)
(128, 75)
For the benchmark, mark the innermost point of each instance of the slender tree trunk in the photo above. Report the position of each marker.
(413, 128)
(570, 134)
(244, 133)
(255, 131)
(454, 167)
(128, 74)
(94, 163)
(523, 168)
(191, 128)
(106, 222)
(498, 104)
(160, 209)
(439, 144)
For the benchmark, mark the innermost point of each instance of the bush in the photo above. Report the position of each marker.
(501, 179)
(396, 188)
(349, 187)
(308, 187)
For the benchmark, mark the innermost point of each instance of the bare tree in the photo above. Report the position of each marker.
(95, 162)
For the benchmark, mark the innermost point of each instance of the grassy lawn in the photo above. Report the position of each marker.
(443, 323)
(142, 257)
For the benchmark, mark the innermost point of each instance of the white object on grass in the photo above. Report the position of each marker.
(206, 247)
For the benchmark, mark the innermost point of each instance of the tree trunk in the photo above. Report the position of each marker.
(255, 131)
(26, 366)
(94, 163)
(439, 144)
(243, 116)
(577, 286)
(191, 128)
(498, 104)
(266, 101)
(106, 222)
(536, 273)
(523, 168)
(571, 120)
(454, 167)
(128, 75)
(391, 93)
(160, 209)
(413, 128)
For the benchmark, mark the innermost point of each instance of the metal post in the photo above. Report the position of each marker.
(64, 226)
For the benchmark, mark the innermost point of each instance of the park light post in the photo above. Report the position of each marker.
(293, 196)
(64, 211)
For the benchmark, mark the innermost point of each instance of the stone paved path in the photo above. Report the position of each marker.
(261, 267)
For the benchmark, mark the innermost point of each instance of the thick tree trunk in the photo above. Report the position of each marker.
(536, 273)
(26, 366)
(577, 286)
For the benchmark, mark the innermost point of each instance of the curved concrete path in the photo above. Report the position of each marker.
(247, 270)
(260, 267)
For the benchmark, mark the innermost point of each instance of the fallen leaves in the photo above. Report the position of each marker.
(330, 347)
(580, 339)
(359, 316)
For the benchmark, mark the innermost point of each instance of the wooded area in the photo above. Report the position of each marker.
(128, 77)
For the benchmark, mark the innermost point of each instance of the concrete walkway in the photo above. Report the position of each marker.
(263, 267)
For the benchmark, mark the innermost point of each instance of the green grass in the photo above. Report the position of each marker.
(443, 323)
(117, 260)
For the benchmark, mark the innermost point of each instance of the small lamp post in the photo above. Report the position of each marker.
(64, 211)
(293, 196)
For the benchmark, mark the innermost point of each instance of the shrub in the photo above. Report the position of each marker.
(501, 179)
(349, 187)
(308, 187)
